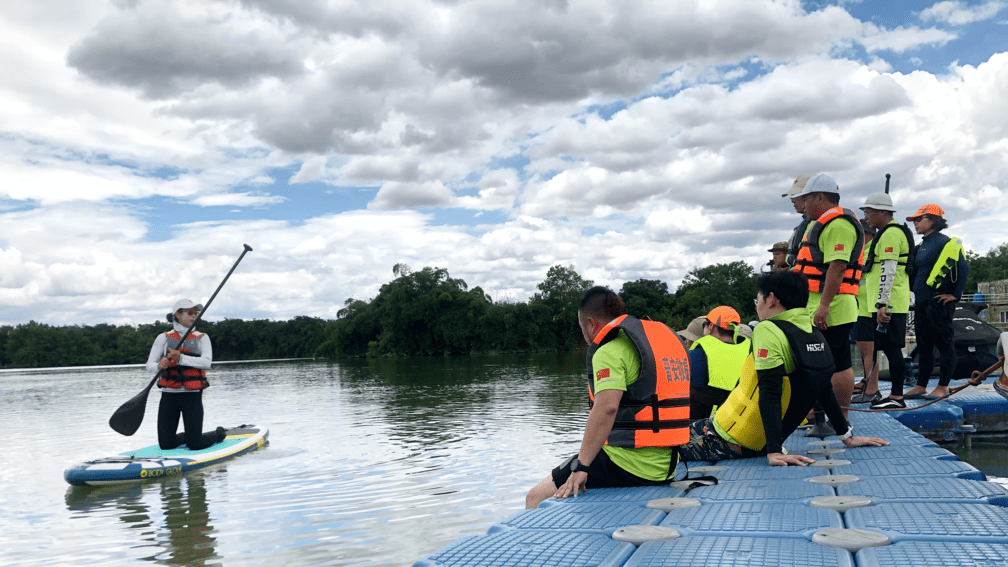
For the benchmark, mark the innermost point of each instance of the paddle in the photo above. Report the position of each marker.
(127, 419)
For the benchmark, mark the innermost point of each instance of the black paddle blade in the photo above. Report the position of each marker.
(127, 419)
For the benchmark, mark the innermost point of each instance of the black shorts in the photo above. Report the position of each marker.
(864, 330)
(838, 340)
(603, 473)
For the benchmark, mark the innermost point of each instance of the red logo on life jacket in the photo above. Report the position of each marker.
(889, 249)
(838, 248)
(604, 373)
(762, 353)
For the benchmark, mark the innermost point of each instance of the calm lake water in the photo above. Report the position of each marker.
(369, 462)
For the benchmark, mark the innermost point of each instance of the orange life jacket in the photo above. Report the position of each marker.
(810, 257)
(654, 410)
(177, 376)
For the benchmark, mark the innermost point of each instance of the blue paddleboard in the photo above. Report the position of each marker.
(153, 462)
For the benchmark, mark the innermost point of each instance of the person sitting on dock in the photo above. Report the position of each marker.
(716, 361)
(790, 369)
(634, 368)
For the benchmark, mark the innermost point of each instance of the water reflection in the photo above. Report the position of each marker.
(447, 400)
(179, 528)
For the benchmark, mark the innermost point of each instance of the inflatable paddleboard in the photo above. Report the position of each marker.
(153, 462)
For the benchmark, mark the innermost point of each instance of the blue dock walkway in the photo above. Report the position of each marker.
(911, 503)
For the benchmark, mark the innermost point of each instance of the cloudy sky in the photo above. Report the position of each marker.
(142, 142)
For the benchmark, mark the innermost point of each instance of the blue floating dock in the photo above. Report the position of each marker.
(763, 519)
(934, 554)
(580, 517)
(762, 490)
(703, 551)
(637, 496)
(520, 547)
(934, 521)
(924, 507)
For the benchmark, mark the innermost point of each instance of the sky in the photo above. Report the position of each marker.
(143, 142)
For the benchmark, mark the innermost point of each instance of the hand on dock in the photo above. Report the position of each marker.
(782, 460)
(865, 442)
(576, 482)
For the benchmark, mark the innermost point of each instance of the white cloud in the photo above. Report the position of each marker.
(310, 170)
(959, 13)
(237, 200)
(486, 107)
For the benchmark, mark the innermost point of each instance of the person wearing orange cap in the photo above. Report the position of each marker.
(941, 276)
(716, 361)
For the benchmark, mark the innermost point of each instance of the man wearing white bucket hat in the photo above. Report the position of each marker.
(888, 262)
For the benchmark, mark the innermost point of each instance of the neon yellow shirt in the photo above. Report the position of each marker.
(836, 241)
(890, 246)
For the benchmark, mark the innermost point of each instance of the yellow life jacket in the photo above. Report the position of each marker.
(724, 361)
(946, 266)
(740, 417)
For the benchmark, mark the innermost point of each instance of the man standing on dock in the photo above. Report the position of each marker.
(830, 257)
(888, 293)
(635, 368)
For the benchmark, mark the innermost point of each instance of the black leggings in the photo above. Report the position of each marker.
(190, 406)
(933, 325)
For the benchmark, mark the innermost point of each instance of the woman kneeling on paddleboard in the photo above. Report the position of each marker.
(183, 379)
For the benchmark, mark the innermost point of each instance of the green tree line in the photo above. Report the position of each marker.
(992, 266)
(423, 312)
(37, 345)
(427, 312)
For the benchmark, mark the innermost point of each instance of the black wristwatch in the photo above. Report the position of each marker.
(576, 466)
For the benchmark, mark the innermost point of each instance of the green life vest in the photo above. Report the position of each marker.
(946, 266)
(724, 361)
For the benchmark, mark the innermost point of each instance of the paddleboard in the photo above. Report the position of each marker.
(153, 462)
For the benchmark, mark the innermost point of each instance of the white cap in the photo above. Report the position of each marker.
(818, 183)
(186, 304)
(878, 202)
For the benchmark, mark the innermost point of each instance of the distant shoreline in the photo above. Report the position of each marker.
(109, 366)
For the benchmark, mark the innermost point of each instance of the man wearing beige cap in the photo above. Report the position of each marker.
(794, 242)
(693, 331)
(779, 261)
